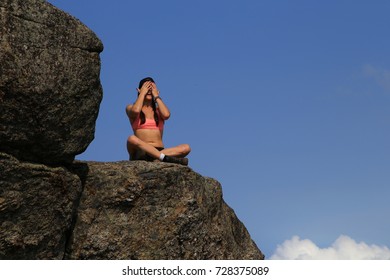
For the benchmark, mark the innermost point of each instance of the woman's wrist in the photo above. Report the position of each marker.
(157, 98)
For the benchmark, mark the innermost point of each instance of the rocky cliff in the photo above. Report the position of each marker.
(52, 207)
(117, 210)
(144, 210)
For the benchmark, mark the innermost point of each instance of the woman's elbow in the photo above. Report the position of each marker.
(167, 116)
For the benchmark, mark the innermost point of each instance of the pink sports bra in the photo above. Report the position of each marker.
(148, 124)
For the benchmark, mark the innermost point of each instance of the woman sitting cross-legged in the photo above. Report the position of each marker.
(147, 116)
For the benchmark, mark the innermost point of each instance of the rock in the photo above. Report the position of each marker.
(143, 210)
(120, 210)
(37, 205)
(50, 88)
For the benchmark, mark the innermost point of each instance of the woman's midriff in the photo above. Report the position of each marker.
(150, 136)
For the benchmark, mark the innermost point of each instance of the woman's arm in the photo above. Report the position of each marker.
(135, 109)
(164, 111)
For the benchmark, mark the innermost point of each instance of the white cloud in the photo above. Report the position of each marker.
(344, 248)
(380, 75)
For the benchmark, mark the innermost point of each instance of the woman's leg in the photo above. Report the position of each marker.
(179, 151)
(134, 144)
(174, 155)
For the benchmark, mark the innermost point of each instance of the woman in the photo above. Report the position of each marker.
(147, 116)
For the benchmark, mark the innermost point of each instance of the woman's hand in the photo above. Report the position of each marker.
(146, 87)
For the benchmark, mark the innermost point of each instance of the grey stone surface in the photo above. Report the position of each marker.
(143, 210)
(50, 88)
(37, 207)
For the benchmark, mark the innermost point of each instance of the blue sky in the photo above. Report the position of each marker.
(286, 103)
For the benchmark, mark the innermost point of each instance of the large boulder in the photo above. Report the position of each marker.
(143, 210)
(50, 88)
(37, 207)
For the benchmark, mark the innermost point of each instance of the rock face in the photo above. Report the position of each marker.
(143, 210)
(49, 82)
(119, 210)
(37, 205)
(54, 208)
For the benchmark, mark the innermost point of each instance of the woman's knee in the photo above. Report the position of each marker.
(185, 149)
(133, 140)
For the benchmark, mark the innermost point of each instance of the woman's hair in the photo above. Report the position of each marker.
(144, 80)
(142, 115)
